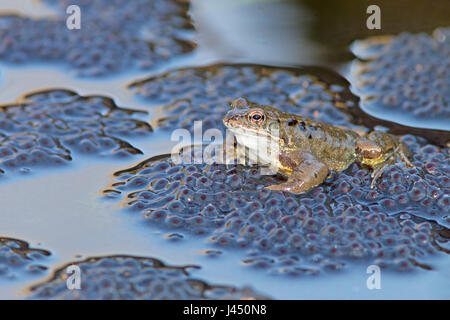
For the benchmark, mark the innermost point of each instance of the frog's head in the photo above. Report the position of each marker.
(256, 127)
(249, 118)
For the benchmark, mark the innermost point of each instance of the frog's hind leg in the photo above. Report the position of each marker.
(398, 155)
(304, 177)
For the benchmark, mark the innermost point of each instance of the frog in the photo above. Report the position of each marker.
(305, 150)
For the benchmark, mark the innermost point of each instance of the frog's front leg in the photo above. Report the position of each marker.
(307, 172)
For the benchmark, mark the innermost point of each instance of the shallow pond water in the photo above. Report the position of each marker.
(62, 209)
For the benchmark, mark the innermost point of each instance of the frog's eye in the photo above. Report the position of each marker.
(257, 117)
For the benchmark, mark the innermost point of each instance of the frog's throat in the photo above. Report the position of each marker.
(256, 134)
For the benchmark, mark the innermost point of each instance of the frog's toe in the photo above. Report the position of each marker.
(376, 173)
(372, 184)
(287, 186)
(275, 187)
(405, 159)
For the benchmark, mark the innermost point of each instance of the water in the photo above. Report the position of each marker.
(32, 8)
(60, 210)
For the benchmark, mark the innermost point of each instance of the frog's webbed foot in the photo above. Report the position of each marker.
(304, 177)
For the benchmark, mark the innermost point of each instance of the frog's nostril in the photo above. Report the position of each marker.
(232, 117)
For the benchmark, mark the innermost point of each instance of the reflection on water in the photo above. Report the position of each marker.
(32, 8)
(338, 23)
(304, 32)
(272, 32)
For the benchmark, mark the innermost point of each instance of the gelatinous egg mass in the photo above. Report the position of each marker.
(405, 78)
(51, 125)
(326, 228)
(205, 93)
(128, 277)
(18, 259)
(127, 35)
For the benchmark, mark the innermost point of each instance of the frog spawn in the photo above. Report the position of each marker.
(407, 73)
(17, 259)
(341, 221)
(205, 93)
(24, 150)
(140, 34)
(422, 191)
(128, 277)
(51, 125)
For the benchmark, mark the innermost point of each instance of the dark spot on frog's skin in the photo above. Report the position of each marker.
(286, 161)
(302, 126)
(309, 136)
(291, 123)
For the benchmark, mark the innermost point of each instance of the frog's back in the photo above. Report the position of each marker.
(331, 145)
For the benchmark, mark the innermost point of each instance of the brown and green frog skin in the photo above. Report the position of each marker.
(305, 150)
